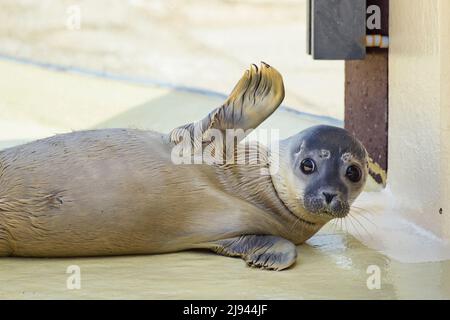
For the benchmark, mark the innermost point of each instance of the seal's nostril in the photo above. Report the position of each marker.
(329, 196)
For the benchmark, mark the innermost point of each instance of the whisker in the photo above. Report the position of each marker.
(336, 221)
(364, 217)
(363, 210)
(362, 226)
(331, 223)
(346, 227)
(354, 226)
(349, 217)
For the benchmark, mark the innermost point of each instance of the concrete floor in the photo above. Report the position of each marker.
(332, 265)
(36, 102)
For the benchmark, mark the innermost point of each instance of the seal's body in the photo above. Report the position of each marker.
(118, 191)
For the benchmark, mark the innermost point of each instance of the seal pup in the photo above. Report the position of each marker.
(120, 191)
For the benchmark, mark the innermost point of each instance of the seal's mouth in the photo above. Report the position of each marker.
(317, 206)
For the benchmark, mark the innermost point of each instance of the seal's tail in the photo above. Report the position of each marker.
(254, 98)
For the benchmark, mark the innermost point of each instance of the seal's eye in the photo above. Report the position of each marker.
(353, 174)
(308, 166)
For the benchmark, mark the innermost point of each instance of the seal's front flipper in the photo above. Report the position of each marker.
(255, 97)
(267, 252)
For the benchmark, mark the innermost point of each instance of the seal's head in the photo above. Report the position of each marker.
(322, 171)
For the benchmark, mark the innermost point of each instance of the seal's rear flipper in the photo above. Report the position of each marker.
(261, 251)
(255, 97)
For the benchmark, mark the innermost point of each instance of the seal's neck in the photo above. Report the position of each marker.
(248, 176)
(259, 182)
(288, 188)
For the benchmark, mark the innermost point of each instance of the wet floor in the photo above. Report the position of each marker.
(333, 265)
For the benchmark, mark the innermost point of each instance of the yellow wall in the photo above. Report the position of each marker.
(419, 112)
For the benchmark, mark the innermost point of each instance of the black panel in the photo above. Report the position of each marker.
(338, 29)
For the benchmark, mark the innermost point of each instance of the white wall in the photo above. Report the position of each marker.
(419, 112)
(405, 222)
(445, 110)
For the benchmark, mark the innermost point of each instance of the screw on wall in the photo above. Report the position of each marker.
(440, 210)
